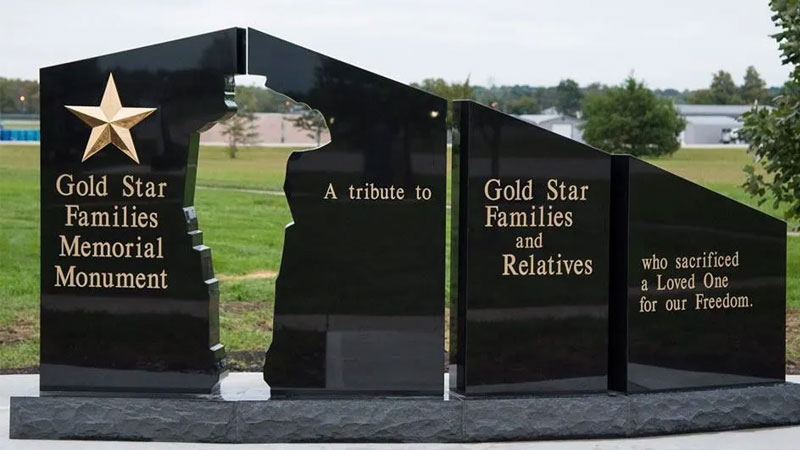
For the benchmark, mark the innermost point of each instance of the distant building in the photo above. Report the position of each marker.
(712, 124)
(557, 123)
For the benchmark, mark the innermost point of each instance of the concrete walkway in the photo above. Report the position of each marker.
(787, 438)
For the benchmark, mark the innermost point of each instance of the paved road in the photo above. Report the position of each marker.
(786, 438)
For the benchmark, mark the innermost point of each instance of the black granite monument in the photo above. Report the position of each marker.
(529, 281)
(129, 298)
(572, 271)
(359, 301)
(698, 285)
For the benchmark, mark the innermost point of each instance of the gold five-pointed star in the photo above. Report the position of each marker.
(110, 122)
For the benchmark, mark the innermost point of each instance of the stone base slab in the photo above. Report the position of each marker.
(217, 419)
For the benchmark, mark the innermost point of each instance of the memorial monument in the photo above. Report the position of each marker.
(129, 298)
(578, 277)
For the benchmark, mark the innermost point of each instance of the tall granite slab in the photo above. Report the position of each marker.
(359, 302)
(129, 302)
(698, 285)
(529, 272)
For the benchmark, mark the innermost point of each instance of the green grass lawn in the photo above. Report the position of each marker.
(253, 168)
(244, 228)
(19, 256)
(719, 169)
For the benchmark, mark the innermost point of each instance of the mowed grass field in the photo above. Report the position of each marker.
(242, 213)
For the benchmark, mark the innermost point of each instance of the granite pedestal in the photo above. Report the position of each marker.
(244, 413)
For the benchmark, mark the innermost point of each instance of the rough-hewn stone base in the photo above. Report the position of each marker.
(403, 420)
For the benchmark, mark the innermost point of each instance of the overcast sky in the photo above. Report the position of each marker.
(668, 43)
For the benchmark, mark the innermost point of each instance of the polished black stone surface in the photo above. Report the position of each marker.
(511, 331)
(682, 340)
(359, 303)
(155, 329)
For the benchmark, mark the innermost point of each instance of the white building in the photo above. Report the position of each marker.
(712, 124)
(557, 123)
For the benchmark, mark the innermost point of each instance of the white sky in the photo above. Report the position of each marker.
(668, 43)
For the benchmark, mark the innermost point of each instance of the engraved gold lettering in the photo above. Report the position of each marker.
(134, 187)
(119, 280)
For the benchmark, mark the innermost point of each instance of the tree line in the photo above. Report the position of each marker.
(566, 97)
(625, 118)
(19, 96)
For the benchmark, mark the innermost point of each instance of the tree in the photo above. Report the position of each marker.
(523, 105)
(724, 90)
(262, 99)
(772, 92)
(568, 97)
(631, 119)
(449, 91)
(313, 122)
(754, 89)
(594, 88)
(12, 93)
(516, 99)
(241, 129)
(702, 97)
(772, 134)
(546, 97)
(670, 93)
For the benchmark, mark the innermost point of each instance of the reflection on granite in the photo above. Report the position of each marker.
(662, 336)
(359, 300)
(526, 334)
(116, 336)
